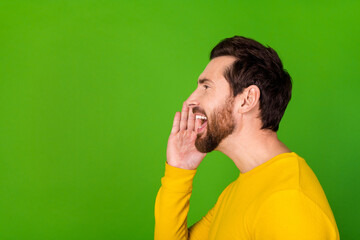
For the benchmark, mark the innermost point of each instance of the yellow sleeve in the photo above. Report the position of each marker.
(291, 215)
(172, 204)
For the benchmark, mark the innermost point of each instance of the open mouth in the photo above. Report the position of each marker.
(203, 123)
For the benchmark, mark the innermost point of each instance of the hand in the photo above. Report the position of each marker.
(181, 151)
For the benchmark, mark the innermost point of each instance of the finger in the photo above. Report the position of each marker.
(191, 120)
(176, 123)
(184, 116)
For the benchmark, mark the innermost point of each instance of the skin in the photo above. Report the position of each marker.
(233, 125)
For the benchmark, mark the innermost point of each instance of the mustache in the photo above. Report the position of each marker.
(198, 110)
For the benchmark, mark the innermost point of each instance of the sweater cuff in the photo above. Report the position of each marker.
(178, 179)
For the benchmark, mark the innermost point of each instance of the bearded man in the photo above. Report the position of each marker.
(236, 109)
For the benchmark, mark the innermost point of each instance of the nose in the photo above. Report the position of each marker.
(192, 101)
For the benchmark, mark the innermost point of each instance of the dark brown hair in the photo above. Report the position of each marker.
(261, 66)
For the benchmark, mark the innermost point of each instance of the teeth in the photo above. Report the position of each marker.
(201, 117)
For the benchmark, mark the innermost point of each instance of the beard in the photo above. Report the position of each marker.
(219, 126)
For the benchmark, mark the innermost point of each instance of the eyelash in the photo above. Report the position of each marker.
(206, 87)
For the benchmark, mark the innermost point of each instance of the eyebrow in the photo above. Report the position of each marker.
(204, 80)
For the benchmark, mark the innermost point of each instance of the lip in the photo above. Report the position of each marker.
(200, 114)
(203, 127)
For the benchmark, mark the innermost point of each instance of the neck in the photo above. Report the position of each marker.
(252, 148)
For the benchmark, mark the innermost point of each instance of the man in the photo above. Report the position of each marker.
(241, 97)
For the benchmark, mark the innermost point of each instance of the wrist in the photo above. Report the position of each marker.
(180, 165)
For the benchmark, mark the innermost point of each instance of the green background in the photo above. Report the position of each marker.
(88, 91)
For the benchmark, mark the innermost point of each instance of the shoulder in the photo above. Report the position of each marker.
(290, 212)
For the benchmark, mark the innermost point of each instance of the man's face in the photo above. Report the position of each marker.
(212, 99)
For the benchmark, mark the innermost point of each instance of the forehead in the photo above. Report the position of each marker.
(215, 68)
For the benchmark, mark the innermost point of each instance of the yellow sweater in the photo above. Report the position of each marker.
(279, 199)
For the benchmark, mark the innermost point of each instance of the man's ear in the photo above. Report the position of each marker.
(248, 99)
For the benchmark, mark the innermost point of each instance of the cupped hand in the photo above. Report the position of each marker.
(181, 151)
